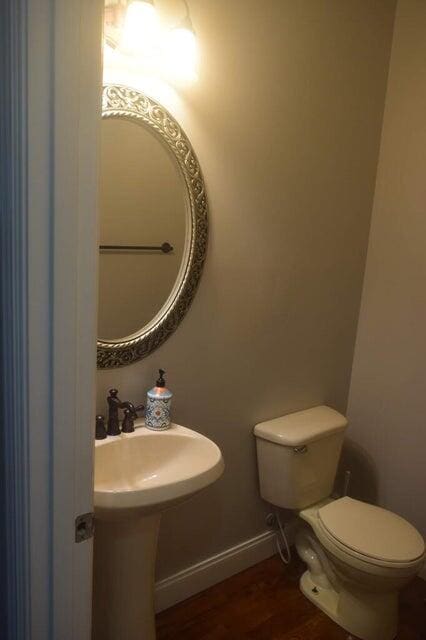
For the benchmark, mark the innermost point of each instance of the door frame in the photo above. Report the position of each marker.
(51, 103)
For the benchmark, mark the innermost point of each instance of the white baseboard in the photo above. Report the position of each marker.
(202, 575)
(205, 574)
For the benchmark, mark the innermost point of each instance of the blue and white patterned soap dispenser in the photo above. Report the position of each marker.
(158, 404)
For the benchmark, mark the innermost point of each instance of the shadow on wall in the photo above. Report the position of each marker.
(364, 479)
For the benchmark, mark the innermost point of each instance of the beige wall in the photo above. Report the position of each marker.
(285, 119)
(387, 405)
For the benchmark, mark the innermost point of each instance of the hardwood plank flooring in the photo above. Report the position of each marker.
(264, 603)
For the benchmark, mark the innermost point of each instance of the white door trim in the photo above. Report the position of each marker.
(51, 88)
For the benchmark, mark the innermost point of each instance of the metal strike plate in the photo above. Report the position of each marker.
(84, 527)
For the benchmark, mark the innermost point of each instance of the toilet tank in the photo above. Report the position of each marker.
(297, 456)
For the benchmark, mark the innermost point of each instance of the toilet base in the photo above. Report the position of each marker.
(368, 616)
(325, 599)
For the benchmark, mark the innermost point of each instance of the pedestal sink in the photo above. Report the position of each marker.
(137, 476)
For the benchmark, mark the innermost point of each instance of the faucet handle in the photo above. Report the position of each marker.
(130, 413)
(131, 407)
(100, 433)
(128, 424)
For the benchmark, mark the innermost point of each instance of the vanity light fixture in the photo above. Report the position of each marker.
(156, 43)
(181, 50)
(141, 31)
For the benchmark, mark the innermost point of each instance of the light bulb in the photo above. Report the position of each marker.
(180, 54)
(141, 29)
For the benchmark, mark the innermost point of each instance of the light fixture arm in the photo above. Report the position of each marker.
(186, 22)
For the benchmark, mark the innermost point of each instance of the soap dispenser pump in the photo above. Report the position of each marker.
(158, 404)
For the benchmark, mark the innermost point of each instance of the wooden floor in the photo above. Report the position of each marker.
(264, 603)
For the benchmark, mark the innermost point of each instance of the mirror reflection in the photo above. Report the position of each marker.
(143, 227)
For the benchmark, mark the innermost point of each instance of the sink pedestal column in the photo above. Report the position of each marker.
(123, 578)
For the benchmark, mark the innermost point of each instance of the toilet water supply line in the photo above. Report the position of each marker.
(285, 554)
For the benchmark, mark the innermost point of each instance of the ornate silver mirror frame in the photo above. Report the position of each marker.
(124, 102)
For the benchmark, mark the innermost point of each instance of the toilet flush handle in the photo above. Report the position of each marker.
(302, 449)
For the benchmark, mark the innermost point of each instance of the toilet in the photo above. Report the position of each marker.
(358, 555)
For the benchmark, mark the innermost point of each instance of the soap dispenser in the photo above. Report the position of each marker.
(158, 404)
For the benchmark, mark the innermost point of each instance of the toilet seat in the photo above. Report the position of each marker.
(371, 534)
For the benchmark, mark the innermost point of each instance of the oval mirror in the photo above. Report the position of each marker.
(153, 226)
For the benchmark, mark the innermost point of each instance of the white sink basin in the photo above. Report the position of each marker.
(147, 471)
(137, 476)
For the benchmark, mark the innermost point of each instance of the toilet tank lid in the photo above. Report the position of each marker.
(302, 427)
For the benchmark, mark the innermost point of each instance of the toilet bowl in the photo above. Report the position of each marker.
(358, 555)
(371, 554)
